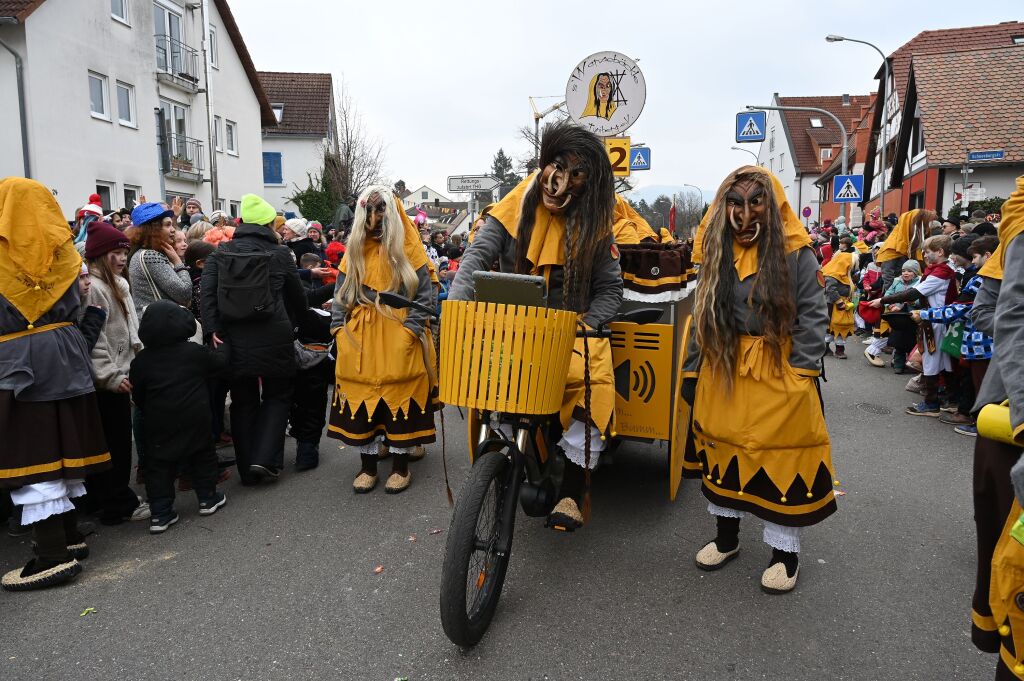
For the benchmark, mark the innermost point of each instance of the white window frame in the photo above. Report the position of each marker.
(111, 188)
(134, 189)
(213, 48)
(218, 133)
(276, 108)
(234, 208)
(782, 162)
(105, 95)
(231, 148)
(771, 139)
(816, 123)
(825, 153)
(131, 121)
(119, 18)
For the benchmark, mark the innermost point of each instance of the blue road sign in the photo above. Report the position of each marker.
(639, 158)
(991, 155)
(750, 126)
(848, 189)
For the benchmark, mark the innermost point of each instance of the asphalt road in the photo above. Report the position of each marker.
(281, 583)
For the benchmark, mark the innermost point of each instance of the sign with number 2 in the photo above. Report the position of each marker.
(618, 154)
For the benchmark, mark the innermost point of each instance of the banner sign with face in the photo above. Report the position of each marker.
(606, 93)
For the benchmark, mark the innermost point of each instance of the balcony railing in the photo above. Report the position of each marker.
(177, 63)
(184, 157)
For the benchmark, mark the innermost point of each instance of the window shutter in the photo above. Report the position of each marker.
(272, 167)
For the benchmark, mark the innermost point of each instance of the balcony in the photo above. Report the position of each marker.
(177, 64)
(183, 157)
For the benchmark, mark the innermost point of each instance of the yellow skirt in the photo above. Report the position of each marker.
(1004, 595)
(841, 323)
(602, 386)
(764, 447)
(382, 385)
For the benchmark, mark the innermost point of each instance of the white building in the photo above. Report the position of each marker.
(293, 149)
(98, 77)
(424, 195)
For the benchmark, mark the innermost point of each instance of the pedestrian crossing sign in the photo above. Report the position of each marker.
(750, 126)
(848, 189)
(640, 158)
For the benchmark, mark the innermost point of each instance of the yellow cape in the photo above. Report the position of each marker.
(839, 268)
(378, 270)
(591, 108)
(746, 258)
(38, 260)
(897, 245)
(1010, 227)
(629, 227)
(547, 245)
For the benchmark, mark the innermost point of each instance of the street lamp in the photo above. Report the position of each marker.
(738, 149)
(833, 38)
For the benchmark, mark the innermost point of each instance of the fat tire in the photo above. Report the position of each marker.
(458, 626)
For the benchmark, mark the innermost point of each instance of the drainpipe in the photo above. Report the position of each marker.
(210, 127)
(19, 70)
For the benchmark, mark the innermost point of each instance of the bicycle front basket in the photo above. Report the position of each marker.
(507, 358)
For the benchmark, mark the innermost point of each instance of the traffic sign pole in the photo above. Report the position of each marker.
(842, 128)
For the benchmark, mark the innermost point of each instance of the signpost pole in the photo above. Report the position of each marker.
(842, 128)
(966, 172)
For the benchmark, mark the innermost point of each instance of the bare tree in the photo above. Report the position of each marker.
(689, 210)
(356, 160)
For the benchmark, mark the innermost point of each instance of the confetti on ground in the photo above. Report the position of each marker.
(87, 611)
(436, 530)
(379, 569)
(412, 538)
(840, 493)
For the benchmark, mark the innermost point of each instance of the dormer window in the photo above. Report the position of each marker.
(1018, 39)
(278, 111)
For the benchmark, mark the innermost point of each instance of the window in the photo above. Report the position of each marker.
(771, 165)
(231, 137)
(211, 51)
(234, 207)
(125, 104)
(1018, 40)
(98, 96)
(816, 123)
(782, 162)
(423, 195)
(826, 154)
(916, 138)
(131, 196)
(119, 10)
(771, 140)
(105, 190)
(278, 111)
(272, 167)
(218, 132)
(218, 204)
(167, 26)
(176, 128)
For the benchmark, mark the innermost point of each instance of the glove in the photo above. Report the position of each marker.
(1017, 478)
(689, 390)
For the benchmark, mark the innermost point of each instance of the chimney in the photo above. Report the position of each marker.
(846, 100)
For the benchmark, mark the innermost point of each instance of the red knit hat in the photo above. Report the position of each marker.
(102, 238)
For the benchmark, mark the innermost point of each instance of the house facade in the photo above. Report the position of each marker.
(424, 195)
(121, 110)
(306, 125)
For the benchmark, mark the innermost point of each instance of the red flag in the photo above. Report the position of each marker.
(672, 219)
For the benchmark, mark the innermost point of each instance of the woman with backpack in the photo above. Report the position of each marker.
(250, 299)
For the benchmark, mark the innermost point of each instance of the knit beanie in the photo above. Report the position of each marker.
(193, 201)
(103, 238)
(913, 266)
(279, 221)
(961, 245)
(299, 226)
(256, 211)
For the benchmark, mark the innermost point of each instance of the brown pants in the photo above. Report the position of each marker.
(993, 496)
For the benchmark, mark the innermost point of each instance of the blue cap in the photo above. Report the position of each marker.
(148, 212)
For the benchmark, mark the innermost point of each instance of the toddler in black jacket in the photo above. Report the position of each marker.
(169, 384)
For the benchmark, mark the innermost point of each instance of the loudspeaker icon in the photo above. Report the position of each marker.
(639, 381)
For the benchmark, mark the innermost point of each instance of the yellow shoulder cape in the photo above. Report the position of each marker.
(1010, 227)
(629, 227)
(547, 245)
(839, 268)
(897, 245)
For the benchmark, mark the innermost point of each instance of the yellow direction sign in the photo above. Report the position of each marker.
(618, 154)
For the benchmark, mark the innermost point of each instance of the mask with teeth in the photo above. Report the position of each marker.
(746, 209)
(562, 181)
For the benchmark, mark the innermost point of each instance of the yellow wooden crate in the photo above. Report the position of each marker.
(507, 358)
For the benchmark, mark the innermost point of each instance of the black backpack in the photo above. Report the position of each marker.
(243, 286)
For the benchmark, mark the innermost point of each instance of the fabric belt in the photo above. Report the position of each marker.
(33, 329)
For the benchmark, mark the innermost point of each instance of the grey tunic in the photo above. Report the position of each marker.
(493, 242)
(1005, 376)
(811, 313)
(50, 365)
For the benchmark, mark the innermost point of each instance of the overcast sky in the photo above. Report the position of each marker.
(445, 84)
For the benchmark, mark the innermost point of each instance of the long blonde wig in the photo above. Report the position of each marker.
(403, 276)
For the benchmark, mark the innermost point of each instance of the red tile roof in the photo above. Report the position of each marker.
(306, 98)
(21, 9)
(988, 112)
(803, 136)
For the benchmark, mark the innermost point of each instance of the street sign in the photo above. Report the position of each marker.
(640, 158)
(990, 155)
(605, 93)
(976, 194)
(472, 183)
(806, 212)
(848, 189)
(618, 154)
(750, 126)
(958, 190)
